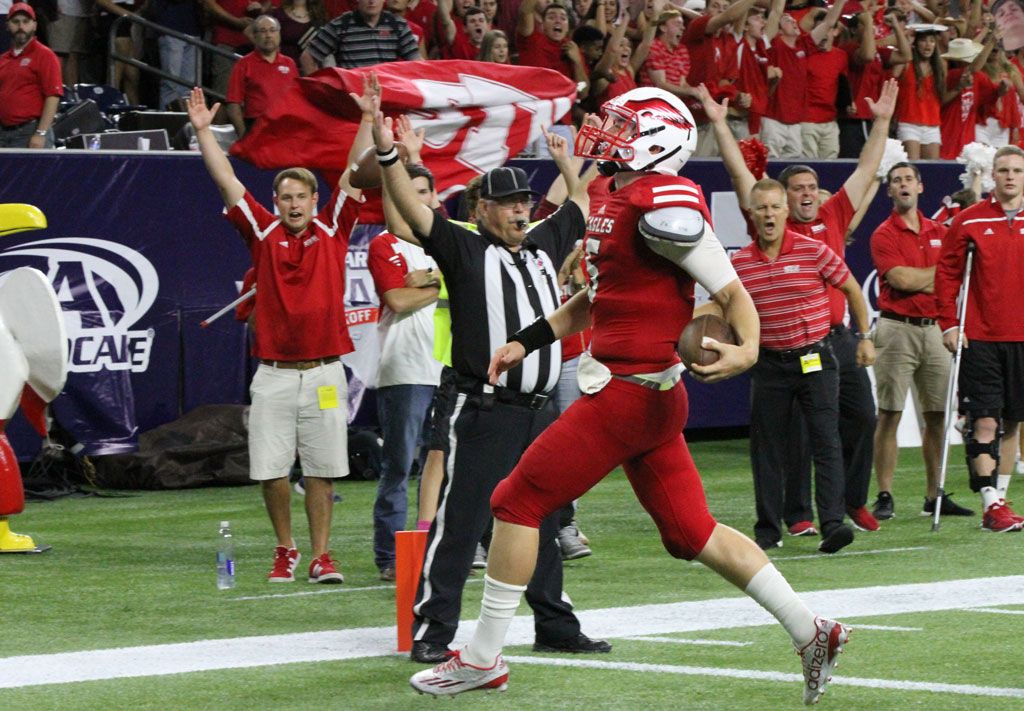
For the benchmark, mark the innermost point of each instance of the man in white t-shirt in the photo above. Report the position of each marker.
(408, 373)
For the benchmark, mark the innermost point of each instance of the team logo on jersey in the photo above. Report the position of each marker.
(600, 225)
(989, 231)
(104, 288)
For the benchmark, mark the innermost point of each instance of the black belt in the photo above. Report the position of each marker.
(912, 320)
(20, 125)
(300, 364)
(534, 401)
(795, 353)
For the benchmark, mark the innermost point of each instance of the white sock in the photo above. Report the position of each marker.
(989, 495)
(1002, 484)
(773, 593)
(496, 612)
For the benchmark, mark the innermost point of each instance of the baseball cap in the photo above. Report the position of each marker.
(502, 182)
(21, 7)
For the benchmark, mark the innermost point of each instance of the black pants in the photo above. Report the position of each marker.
(489, 438)
(857, 419)
(776, 383)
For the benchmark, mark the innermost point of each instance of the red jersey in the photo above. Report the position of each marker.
(790, 292)
(992, 313)
(920, 108)
(462, 48)
(256, 83)
(623, 82)
(300, 309)
(674, 62)
(957, 118)
(834, 217)
(789, 102)
(753, 76)
(823, 72)
(423, 15)
(26, 79)
(539, 50)
(866, 79)
(703, 55)
(893, 244)
(640, 301)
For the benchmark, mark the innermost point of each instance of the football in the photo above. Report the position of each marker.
(709, 325)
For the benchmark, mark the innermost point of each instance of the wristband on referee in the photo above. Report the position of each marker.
(387, 158)
(537, 335)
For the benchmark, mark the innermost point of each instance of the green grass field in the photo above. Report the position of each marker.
(126, 572)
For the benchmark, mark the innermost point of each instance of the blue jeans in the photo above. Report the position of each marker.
(403, 411)
(177, 58)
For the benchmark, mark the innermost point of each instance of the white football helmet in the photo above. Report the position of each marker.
(645, 129)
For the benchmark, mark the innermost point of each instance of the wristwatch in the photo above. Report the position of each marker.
(40, 133)
(866, 336)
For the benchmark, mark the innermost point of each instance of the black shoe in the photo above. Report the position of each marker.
(949, 507)
(429, 652)
(885, 508)
(837, 538)
(765, 544)
(580, 644)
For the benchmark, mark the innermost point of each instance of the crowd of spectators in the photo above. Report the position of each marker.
(796, 74)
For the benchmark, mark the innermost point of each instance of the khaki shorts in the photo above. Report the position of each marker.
(820, 140)
(286, 416)
(69, 34)
(905, 353)
(783, 140)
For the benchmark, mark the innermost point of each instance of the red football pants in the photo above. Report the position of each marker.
(623, 424)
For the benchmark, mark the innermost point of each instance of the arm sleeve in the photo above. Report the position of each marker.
(949, 273)
(884, 252)
(251, 219)
(831, 266)
(387, 267)
(445, 243)
(340, 212)
(708, 263)
(50, 77)
(236, 85)
(558, 234)
(324, 42)
(408, 49)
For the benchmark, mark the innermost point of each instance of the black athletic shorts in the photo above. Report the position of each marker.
(441, 410)
(992, 379)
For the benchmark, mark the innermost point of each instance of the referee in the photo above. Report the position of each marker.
(499, 279)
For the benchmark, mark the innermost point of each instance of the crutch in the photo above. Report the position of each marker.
(210, 319)
(951, 384)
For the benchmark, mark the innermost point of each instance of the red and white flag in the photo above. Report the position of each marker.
(477, 115)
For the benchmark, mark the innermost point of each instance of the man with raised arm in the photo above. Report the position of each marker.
(299, 391)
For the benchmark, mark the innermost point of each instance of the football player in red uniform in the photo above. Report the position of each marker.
(649, 240)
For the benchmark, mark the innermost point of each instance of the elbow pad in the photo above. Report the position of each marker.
(672, 232)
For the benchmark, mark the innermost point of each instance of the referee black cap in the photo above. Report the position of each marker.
(502, 182)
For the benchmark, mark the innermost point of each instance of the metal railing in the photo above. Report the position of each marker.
(203, 46)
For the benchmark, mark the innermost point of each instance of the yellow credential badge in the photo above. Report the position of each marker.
(328, 396)
(810, 363)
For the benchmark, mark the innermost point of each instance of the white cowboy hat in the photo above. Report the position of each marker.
(963, 49)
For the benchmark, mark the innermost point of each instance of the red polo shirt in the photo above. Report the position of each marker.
(789, 102)
(790, 292)
(674, 62)
(894, 244)
(256, 82)
(823, 71)
(830, 227)
(300, 308)
(26, 79)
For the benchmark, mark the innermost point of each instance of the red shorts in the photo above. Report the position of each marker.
(623, 424)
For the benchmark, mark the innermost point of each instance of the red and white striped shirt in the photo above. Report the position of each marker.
(789, 292)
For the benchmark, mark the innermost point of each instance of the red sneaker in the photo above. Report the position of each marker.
(322, 570)
(285, 560)
(863, 519)
(1007, 504)
(803, 528)
(1000, 519)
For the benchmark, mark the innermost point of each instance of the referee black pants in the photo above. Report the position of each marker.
(776, 383)
(857, 419)
(487, 439)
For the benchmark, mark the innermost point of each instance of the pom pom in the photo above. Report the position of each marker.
(894, 153)
(755, 155)
(978, 158)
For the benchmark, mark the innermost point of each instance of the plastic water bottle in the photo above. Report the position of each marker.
(225, 557)
(94, 142)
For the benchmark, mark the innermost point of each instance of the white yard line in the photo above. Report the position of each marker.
(670, 618)
(843, 554)
(323, 590)
(994, 610)
(680, 640)
(966, 689)
(886, 628)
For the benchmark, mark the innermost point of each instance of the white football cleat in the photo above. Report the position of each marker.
(454, 676)
(820, 655)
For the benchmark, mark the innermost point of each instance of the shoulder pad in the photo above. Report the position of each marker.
(683, 226)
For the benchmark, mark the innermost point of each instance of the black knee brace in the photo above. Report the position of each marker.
(973, 448)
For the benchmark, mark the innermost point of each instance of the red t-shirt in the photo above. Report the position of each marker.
(674, 62)
(823, 72)
(789, 102)
(703, 59)
(256, 83)
(641, 301)
(834, 217)
(790, 292)
(866, 79)
(462, 48)
(26, 79)
(539, 50)
(423, 15)
(894, 244)
(222, 34)
(920, 108)
(959, 116)
(300, 312)
(753, 78)
(623, 82)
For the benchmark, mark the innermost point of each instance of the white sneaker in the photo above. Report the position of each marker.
(455, 676)
(820, 657)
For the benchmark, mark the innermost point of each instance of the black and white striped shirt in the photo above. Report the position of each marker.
(355, 44)
(494, 292)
